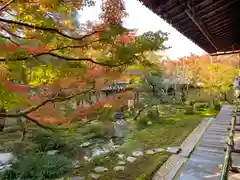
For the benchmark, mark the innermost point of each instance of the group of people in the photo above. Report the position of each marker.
(236, 86)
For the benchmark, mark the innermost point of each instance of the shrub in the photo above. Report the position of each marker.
(189, 110)
(217, 107)
(142, 122)
(47, 140)
(93, 130)
(200, 106)
(99, 160)
(152, 115)
(98, 130)
(19, 148)
(39, 166)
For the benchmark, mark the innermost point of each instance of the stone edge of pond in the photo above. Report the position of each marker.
(171, 167)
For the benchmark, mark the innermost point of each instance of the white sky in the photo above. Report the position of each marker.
(143, 19)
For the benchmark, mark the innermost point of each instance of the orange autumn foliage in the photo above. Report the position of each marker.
(31, 50)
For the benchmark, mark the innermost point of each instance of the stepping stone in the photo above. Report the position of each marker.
(76, 164)
(121, 163)
(77, 178)
(150, 152)
(131, 159)
(86, 144)
(137, 153)
(149, 123)
(94, 176)
(119, 168)
(159, 150)
(100, 169)
(87, 158)
(174, 150)
(121, 156)
(52, 152)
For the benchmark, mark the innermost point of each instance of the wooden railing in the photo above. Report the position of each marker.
(230, 146)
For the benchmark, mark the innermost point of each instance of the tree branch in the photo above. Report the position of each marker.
(38, 124)
(6, 5)
(67, 58)
(9, 39)
(75, 46)
(11, 33)
(48, 29)
(34, 108)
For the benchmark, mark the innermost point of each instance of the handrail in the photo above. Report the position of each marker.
(230, 145)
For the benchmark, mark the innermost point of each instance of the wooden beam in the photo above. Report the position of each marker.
(201, 28)
(225, 53)
(216, 10)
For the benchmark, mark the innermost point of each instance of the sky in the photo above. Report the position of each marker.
(142, 19)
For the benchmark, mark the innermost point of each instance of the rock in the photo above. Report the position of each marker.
(86, 158)
(5, 167)
(149, 123)
(116, 147)
(94, 176)
(119, 168)
(159, 150)
(2, 167)
(174, 150)
(77, 178)
(99, 152)
(121, 163)
(52, 152)
(100, 169)
(137, 153)
(150, 152)
(131, 159)
(6, 158)
(121, 156)
(86, 144)
(76, 164)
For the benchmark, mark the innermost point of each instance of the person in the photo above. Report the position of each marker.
(236, 86)
(2, 119)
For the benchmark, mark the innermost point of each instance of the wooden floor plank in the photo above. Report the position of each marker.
(209, 154)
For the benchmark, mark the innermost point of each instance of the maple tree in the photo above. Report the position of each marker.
(45, 49)
(217, 79)
(214, 76)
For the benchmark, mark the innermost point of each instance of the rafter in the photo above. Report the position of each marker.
(201, 27)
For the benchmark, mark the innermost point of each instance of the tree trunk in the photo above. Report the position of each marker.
(2, 120)
(224, 96)
(211, 100)
(22, 124)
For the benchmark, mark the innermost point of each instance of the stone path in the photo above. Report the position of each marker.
(209, 154)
